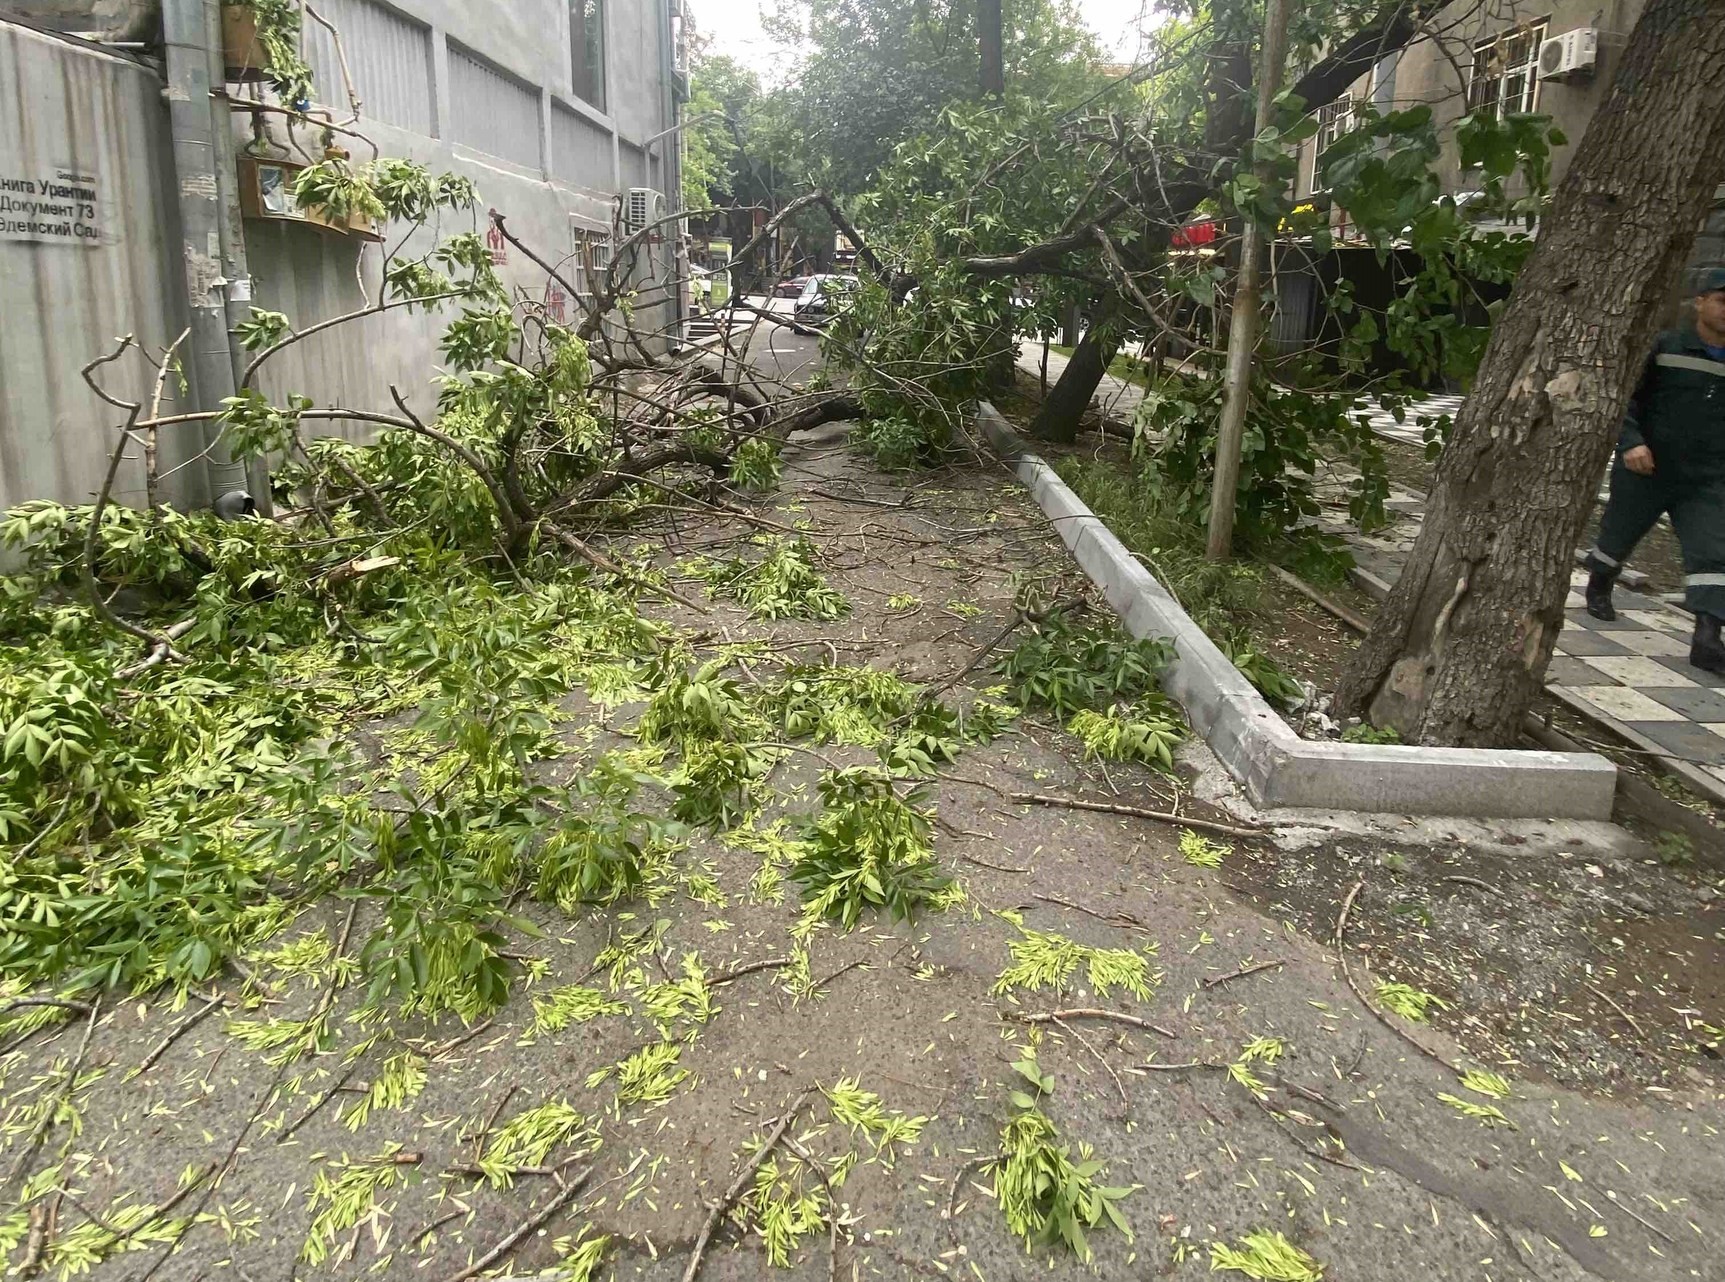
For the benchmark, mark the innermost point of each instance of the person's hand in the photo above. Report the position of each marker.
(1639, 460)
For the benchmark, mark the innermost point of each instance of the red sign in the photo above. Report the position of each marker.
(1192, 235)
(497, 245)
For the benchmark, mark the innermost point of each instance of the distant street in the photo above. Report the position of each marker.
(775, 350)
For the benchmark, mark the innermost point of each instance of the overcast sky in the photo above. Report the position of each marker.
(734, 26)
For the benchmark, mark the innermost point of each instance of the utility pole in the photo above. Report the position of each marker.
(1243, 323)
(990, 35)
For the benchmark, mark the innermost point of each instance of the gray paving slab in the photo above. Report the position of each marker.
(1697, 703)
(1683, 668)
(1565, 671)
(1687, 739)
(1582, 641)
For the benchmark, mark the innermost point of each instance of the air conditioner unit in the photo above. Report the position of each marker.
(1569, 55)
(644, 206)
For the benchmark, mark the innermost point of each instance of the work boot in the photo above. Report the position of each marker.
(1599, 585)
(1706, 650)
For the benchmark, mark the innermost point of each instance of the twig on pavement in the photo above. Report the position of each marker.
(719, 1208)
(1088, 1012)
(527, 1227)
(1084, 1041)
(1136, 812)
(1219, 980)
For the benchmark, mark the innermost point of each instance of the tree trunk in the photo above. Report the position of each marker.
(1058, 417)
(1459, 650)
(991, 44)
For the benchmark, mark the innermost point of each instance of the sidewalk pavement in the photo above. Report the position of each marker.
(1631, 676)
(1115, 399)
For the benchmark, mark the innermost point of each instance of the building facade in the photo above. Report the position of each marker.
(1555, 57)
(564, 113)
(1488, 56)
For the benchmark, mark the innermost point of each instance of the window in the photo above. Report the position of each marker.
(587, 50)
(1504, 77)
(1334, 120)
(591, 249)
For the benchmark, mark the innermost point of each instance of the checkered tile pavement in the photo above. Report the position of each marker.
(1634, 674)
(1631, 675)
(1410, 430)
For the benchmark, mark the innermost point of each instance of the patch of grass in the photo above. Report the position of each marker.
(1365, 732)
(1216, 594)
(1266, 1256)
(1271, 679)
(1675, 849)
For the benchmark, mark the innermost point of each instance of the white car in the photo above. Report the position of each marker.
(822, 296)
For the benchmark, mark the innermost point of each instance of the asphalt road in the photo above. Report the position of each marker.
(776, 350)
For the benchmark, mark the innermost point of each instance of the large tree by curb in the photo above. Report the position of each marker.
(1460, 649)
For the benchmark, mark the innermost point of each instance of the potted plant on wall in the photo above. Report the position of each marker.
(261, 41)
(334, 194)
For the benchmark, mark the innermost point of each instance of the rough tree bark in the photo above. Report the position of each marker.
(1058, 416)
(1460, 648)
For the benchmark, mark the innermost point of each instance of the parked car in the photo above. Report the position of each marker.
(822, 295)
(790, 287)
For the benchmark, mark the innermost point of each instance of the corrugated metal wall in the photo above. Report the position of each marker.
(69, 109)
(67, 106)
(493, 113)
(580, 150)
(389, 56)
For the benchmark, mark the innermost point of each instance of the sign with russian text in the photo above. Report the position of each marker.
(55, 206)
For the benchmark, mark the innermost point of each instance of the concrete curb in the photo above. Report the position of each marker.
(1276, 767)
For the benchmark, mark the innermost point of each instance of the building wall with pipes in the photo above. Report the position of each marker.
(484, 88)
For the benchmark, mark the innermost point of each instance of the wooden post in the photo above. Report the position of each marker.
(1243, 324)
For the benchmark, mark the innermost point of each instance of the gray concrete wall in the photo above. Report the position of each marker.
(70, 109)
(479, 88)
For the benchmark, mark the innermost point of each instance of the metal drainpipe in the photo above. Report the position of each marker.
(210, 360)
(231, 231)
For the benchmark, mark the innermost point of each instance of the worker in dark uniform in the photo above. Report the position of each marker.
(1671, 459)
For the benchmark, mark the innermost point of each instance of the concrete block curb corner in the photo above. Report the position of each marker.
(1274, 765)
